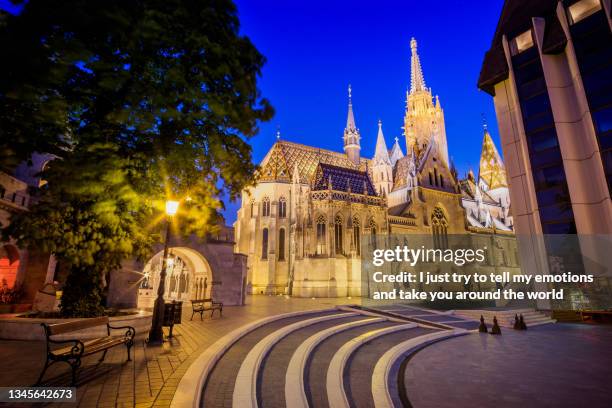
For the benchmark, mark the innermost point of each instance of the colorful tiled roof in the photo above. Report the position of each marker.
(283, 157)
(341, 178)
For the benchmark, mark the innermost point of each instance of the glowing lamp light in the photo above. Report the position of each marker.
(171, 207)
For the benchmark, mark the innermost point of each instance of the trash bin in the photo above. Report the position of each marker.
(172, 315)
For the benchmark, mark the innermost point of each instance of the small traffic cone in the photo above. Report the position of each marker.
(517, 324)
(483, 327)
(495, 329)
(522, 323)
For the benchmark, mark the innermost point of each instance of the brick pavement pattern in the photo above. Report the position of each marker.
(151, 378)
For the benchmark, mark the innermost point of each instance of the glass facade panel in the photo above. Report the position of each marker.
(593, 44)
(554, 204)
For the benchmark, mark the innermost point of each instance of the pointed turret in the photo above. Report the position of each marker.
(417, 82)
(381, 153)
(396, 152)
(492, 173)
(352, 138)
(382, 171)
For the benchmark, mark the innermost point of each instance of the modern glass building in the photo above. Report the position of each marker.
(549, 70)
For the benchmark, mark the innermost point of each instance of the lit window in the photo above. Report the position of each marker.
(282, 207)
(266, 207)
(582, 9)
(321, 242)
(521, 42)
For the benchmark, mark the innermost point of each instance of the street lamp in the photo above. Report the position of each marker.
(156, 335)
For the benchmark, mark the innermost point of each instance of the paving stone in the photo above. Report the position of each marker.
(154, 368)
(557, 365)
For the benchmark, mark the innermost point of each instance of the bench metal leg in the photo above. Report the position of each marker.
(129, 345)
(75, 366)
(103, 356)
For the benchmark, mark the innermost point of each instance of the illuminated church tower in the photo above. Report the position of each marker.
(423, 120)
(492, 172)
(352, 145)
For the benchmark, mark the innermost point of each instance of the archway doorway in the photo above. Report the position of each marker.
(188, 276)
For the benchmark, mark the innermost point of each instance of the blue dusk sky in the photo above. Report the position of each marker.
(315, 48)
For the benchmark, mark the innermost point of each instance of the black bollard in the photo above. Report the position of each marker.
(495, 329)
(517, 324)
(522, 323)
(483, 327)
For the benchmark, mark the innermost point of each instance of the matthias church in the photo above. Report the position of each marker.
(304, 224)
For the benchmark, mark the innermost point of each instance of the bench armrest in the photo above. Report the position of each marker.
(77, 348)
(130, 332)
(217, 303)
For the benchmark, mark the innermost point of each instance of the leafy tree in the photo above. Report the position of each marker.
(139, 100)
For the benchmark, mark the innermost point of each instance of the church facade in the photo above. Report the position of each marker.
(303, 225)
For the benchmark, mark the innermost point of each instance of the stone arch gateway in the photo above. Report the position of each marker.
(196, 269)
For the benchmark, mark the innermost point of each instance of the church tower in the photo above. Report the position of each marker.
(423, 119)
(352, 145)
(492, 172)
(382, 172)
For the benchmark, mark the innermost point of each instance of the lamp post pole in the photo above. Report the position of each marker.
(156, 335)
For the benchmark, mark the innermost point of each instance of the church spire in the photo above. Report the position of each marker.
(491, 171)
(381, 154)
(350, 119)
(396, 152)
(417, 82)
(351, 136)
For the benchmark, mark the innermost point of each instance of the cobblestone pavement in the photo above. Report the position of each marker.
(152, 376)
(559, 365)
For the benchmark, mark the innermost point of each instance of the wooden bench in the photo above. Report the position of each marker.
(71, 351)
(199, 306)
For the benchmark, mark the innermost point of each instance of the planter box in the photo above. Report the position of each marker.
(23, 328)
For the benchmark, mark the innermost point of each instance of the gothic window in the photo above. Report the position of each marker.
(441, 181)
(281, 244)
(321, 244)
(430, 179)
(266, 207)
(356, 236)
(252, 208)
(282, 207)
(436, 176)
(373, 231)
(439, 227)
(264, 244)
(338, 235)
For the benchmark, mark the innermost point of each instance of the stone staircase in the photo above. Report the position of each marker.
(505, 318)
(339, 357)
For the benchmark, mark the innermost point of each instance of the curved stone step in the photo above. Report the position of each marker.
(336, 394)
(380, 376)
(295, 392)
(317, 365)
(189, 390)
(245, 387)
(360, 366)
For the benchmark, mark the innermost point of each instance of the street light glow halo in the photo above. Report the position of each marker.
(171, 207)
